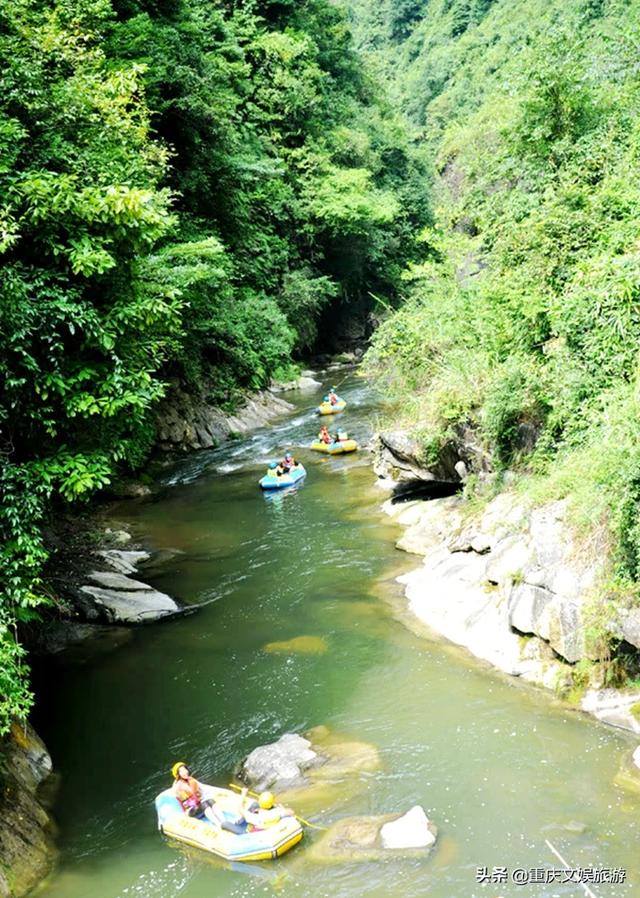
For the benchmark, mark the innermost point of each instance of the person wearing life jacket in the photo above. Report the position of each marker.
(324, 436)
(288, 462)
(263, 813)
(333, 396)
(272, 470)
(188, 791)
(341, 436)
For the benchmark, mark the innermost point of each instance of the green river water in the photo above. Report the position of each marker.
(497, 765)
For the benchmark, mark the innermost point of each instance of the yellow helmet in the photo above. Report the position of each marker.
(266, 800)
(176, 768)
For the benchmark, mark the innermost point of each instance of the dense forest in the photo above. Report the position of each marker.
(522, 328)
(202, 190)
(190, 188)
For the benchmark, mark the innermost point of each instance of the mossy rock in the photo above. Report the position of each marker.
(358, 839)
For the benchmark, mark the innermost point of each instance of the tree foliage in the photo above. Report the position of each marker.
(185, 186)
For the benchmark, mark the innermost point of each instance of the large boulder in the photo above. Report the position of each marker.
(296, 761)
(131, 606)
(279, 765)
(375, 838)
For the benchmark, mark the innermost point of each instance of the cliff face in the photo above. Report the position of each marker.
(27, 850)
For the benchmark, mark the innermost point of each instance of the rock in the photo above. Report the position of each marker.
(117, 581)
(185, 421)
(448, 595)
(360, 839)
(629, 625)
(27, 848)
(461, 470)
(125, 562)
(295, 761)
(304, 645)
(120, 537)
(409, 831)
(128, 489)
(613, 707)
(280, 765)
(131, 607)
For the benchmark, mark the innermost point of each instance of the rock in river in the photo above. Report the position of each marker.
(375, 838)
(295, 761)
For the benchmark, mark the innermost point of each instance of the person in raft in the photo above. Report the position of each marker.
(324, 436)
(188, 791)
(333, 396)
(263, 813)
(287, 463)
(341, 436)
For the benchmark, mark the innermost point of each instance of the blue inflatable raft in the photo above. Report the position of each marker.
(271, 481)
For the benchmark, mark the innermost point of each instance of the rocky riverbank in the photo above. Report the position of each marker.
(511, 584)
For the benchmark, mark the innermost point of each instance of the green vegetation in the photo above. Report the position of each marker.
(522, 327)
(187, 187)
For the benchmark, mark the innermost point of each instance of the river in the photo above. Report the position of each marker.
(499, 766)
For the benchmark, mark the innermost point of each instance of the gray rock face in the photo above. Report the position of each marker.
(280, 765)
(509, 572)
(186, 422)
(136, 606)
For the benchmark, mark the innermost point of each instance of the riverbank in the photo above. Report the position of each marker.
(510, 585)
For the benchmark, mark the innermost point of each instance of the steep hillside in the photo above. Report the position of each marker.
(522, 331)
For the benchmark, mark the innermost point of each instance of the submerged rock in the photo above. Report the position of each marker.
(375, 838)
(303, 645)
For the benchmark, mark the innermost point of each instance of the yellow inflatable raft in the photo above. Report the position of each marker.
(325, 408)
(260, 845)
(336, 448)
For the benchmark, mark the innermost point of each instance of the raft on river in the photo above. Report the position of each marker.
(271, 481)
(260, 845)
(326, 408)
(338, 447)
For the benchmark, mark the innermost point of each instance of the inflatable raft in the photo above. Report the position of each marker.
(325, 408)
(337, 448)
(262, 845)
(273, 482)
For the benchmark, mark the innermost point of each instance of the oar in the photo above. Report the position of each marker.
(256, 795)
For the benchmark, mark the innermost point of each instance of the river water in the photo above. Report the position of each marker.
(500, 767)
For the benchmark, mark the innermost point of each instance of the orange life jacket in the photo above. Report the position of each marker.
(188, 792)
